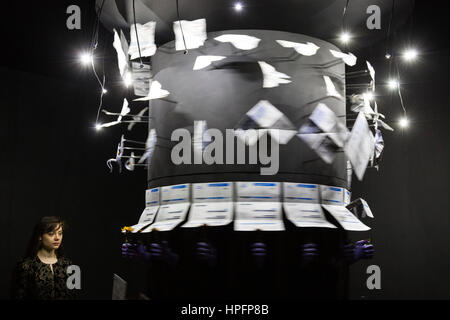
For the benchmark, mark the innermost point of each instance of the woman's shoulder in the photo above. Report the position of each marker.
(65, 261)
(26, 264)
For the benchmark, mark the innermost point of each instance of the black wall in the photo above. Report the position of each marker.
(53, 162)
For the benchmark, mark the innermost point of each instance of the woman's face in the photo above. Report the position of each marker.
(52, 240)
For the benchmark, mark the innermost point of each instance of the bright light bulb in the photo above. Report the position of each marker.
(410, 55)
(86, 58)
(345, 37)
(238, 6)
(127, 79)
(369, 95)
(104, 90)
(393, 84)
(98, 127)
(388, 56)
(404, 122)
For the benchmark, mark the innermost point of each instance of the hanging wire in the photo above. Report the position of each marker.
(388, 34)
(344, 14)
(137, 36)
(93, 47)
(181, 28)
(398, 88)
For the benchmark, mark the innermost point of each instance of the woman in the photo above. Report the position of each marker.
(42, 275)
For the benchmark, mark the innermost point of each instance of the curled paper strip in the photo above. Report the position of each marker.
(272, 78)
(331, 89)
(349, 58)
(155, 92)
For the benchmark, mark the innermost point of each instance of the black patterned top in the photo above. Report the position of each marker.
(34, 280)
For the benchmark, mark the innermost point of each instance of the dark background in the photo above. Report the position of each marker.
(53, 160)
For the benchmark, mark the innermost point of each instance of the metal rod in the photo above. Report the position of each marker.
(129, 148)
(134, 141)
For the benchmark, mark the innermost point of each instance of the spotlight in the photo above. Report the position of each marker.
(393, 84)
(127, 79)
(404, 122)
(345, 37)
(238, 6)
(388, 56)
(410, 55)
(98, 127)
(369, 95)
(86, 58)
(104, 91)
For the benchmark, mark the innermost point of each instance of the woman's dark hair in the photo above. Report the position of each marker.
(45, 225)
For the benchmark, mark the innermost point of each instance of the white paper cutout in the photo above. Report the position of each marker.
(155, 92)
(136, 118)
(272, 78)
(194, 34)
(149, 146)
(308, 49)
(204, 61)
(201, 139)
(212, 204)
(360, 208)
(349, 58)
(122, 57)
(264, 114)
(331, 89)
(345, 218)
(240, 41)
(125, 110)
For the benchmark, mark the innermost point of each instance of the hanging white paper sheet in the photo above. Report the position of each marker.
(264, 216)
(345, 218)
(151, 208)
(360, 208)
(175, 194)
(261, 209)
(347, 197)
(174, 207)
(306, 215)
(146, 35)
(191, 33)
(147, 217)
(264, 114)
(169, 216)
(332, 195)
(210, 214)
(301, 192)
(152, 197)
(212, 192)
(212, 204)
(122, 56)
(258, 191)
(360, 146)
